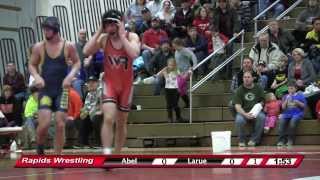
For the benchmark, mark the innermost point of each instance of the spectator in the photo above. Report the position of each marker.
(243, 9)
(293, 105)
(281, 37)
(16, 80)
(201, 21)
(313, 98)
(97, 63)
(91, 115)
(85, 62)
(245, 98)
(183, 57)
(166, 13)
(237, 80)
(72, 119)
(183, 18)
(266, 51)
(226, 19)
(272, 110)
(151, 41)
(276, 10)
(300, 69)
(31, 116)
(146, 21)
(216, 41)
(10, 107)
(199, 46)
(304, 20)
(265, 76)
(159, 61)
(313, 44)
(279, 85)
(155, 6)
(134, 12)
(171, 73)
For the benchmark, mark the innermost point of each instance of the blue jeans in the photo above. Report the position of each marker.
(21, 96)
(241, 121)
(147, 55)
(287, 127)
(262, 5)
(160, 83)
(278, 9)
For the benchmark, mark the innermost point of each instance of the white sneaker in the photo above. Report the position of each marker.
(242, 144)
(251, 143)
(138, 81)
(266, 130)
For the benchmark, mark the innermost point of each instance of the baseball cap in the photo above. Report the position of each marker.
(145, 10)
(92, 78)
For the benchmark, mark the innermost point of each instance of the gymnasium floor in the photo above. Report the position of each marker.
(308, 170)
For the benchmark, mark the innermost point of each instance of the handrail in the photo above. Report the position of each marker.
(216, 51)
(255, 19)
(267, 9)
(279, 17)
(206, 59)
(289, 9)
(213, 72)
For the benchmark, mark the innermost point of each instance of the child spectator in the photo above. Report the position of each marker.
(184, 57)
(171, 74)
(293, 105)
(279, 84)
(31, 115)
(272, 109)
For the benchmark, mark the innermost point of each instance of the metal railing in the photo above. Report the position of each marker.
(255, 19)
(284, 13)
(217, 69)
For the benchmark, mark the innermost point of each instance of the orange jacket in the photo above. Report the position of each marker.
(75, 104)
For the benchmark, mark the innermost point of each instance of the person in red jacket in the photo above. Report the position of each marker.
(201, 22)
(74, 107)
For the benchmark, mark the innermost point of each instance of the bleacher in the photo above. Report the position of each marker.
(210, 111)
(149, 127)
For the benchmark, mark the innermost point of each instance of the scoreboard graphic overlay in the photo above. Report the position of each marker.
(161, 161)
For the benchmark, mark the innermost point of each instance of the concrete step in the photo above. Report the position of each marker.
(203, 114)
(207, 142)
(286, 24)
(296, 11)
(199, 100)
(305, 127)
(209, 87)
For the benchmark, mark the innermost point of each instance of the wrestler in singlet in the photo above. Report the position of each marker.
(118, 77)
(53, 71)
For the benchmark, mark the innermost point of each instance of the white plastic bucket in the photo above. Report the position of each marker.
(221, 141)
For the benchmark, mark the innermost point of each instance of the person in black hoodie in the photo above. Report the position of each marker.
(159, 61)
(10, 107)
